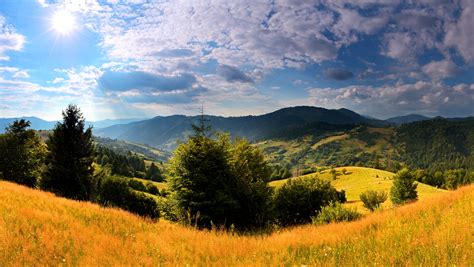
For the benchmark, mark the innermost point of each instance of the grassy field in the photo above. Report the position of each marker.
(37, 228)
(360, 179)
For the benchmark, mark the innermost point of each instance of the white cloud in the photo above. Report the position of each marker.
(429, 98)
(440, 69)
(460, 34)
(9, 39)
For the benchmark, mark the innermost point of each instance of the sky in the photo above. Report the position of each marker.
(140, 59)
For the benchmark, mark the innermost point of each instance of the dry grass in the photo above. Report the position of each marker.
(37, 228)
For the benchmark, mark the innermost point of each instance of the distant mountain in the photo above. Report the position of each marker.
(40, 124)
(109, 122)
(407, 119)
(164, 132)
(36, 123)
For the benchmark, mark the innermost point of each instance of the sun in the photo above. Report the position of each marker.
(63, 22)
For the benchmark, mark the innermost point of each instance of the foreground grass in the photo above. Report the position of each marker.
(37, 228)
(360, 179)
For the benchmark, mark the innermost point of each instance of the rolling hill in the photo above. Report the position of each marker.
(47, 230)
(164, 132)
(407, 119)
(360, 179)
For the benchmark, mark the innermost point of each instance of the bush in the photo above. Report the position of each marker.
(137, 185)
(115, 191)
(403, 188)
(302, 198)
(335, 212)
(373, 199)
(152, 189)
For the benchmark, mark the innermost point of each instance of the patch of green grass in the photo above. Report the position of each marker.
(360, 179)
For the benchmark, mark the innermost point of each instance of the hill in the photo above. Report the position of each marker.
(164, 132)
(407, 119)
(36, 123)
(437, 144)
(47, 230)
(40, 124)
(360, 179)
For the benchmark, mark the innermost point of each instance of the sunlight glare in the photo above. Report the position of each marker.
(63, 22)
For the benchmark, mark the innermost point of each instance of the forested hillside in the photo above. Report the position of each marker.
(439, 144)
(164, 132)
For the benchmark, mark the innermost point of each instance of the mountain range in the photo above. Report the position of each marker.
(40, 124)
(165, 132)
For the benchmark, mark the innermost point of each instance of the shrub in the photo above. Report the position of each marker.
(115, 191)
(152, 189)
(301, 198)
(335, 212)
(403, 188)
(373, 199)
(137, 185)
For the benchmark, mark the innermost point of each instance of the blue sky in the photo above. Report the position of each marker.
(129, 59)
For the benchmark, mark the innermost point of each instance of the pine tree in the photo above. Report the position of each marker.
(403, 188)
(22, 154)
(70, 170)
(154, 173)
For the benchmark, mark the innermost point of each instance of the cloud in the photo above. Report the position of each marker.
(9, 39)
(440, 69)
(124, 81)
(339, 74)
(428, 98)
(460, 34)
(233, 74)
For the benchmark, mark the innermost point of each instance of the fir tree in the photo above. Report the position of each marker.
(403, 188)
(70, 170)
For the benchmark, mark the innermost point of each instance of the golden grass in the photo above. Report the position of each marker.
(360, 179)
(330, 139)
(37, 228)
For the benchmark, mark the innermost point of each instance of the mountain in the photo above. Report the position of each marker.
(36, 123)
(407, 119)
(40, 124)
(164, 132)
(109, 122)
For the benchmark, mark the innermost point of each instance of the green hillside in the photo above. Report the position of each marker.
(359, 179)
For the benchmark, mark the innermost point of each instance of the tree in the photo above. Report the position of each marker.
(216, 182)
(300, 199)
(403, 188)
(70, 170)
(373, 199)
(201, 181)
(333, 173)
(253, 193)
(22, 154)
(154, 173)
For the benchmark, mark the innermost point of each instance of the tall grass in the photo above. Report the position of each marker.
(37, 228)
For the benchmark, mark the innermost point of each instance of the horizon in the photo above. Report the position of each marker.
(119, 60)
(244, 115)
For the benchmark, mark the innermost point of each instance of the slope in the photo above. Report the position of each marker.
(164, 132)
(47, 230)
(360, 179)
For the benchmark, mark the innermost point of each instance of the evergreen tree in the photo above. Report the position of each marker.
(201, 180)
(252, 192)
(403, 188)
(22, 154)
(154, 173)
(70, 170)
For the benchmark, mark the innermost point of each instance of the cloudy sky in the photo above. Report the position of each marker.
(136, 58)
